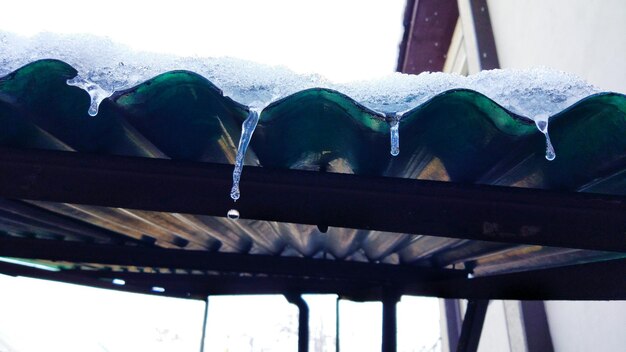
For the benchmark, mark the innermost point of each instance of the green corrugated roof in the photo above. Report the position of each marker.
(459, 136)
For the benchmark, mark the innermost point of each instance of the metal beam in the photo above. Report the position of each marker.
(595, 281)
(80, 278)
(34, 219)
(303, 320)
(224, 262)
(472, 325)
(477, 212)
(589, 281)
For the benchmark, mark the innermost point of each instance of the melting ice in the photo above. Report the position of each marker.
(105, 67)
(247, 129)
(394, 134)
(542, 124)
(112, 67)
(96, 93)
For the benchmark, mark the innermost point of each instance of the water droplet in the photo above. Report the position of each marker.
(96, 93)
(233, 214)
(541, 121)
(395, 135)
(247, 128)
(158, 289)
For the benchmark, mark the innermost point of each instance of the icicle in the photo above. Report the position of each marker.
(542, 124)
(395, 135)
(97, 93)
(247, 128)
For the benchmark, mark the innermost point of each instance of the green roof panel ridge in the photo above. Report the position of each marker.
(40, 89)
(322, 129)
(185, 116)
(590, 146)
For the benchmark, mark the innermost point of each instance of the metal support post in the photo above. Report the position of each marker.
(472, 325)
(204, 321)
(453, 322)
(337, 324)
(303, 321)
(390, 299)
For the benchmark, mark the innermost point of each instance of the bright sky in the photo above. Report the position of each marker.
(342, 40)
(72, 318)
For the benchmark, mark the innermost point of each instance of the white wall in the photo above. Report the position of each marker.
(586, 37)
(587, 326)
(494, 337)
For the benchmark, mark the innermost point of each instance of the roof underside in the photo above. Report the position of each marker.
(141, 192)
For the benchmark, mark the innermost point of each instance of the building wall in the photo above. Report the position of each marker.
(586, 37)
(495, 336)
(587, 326)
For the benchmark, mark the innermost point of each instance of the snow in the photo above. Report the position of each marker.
(105, 67)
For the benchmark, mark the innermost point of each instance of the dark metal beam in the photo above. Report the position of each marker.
(303, 320)
(197, 286)
(472, 325)
(36, 218)
(490, 213)
(589, 281)
(80, 278)
(595, 281)
(223, 262)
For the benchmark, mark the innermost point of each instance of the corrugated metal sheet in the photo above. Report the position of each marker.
(458, 136)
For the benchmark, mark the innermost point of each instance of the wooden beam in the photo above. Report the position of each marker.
(429, 25)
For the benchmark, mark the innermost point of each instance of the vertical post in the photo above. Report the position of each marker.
(536, 326)
(204, 322)
(479, 41)
(303, 321)
(389, 322)
(453, 322)
(337, 324)
(472, 325)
